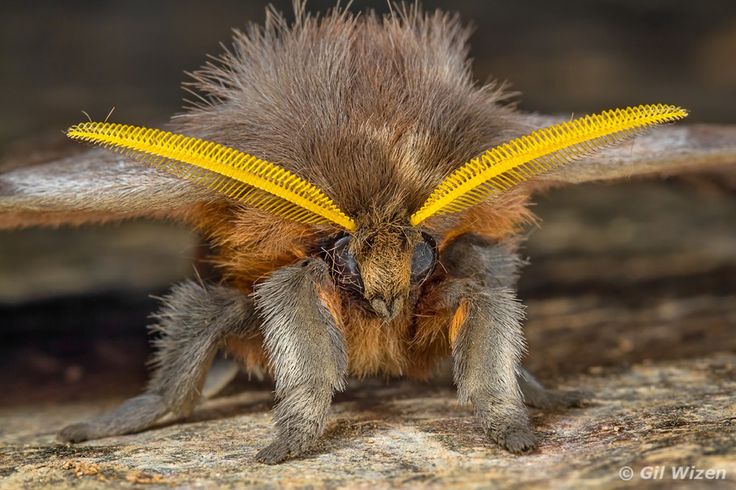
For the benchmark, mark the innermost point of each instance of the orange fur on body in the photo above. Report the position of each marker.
(458, 319)
(250, 245)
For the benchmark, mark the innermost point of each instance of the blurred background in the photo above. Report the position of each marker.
(74, 302)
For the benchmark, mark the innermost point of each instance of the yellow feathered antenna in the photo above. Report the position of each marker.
(238, 175)
(512, 163)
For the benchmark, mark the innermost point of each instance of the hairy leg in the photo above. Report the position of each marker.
(487, 339)
(498, 265)
(193, 322)
(307, 352)
(486, 351)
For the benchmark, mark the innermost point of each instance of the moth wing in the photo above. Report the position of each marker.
(663, 151)
(94, 186)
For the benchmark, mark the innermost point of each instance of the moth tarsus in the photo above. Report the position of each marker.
(335, 163)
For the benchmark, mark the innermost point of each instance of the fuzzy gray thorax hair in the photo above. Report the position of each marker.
(374, 111)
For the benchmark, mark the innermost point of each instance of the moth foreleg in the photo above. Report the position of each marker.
(487, 346)
(194, 322)
(307, 352)
(498, 265)
(486, 336)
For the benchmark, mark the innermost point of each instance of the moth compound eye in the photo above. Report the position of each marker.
(423, 259)
(345, 269)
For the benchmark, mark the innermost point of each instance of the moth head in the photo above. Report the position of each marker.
(381, 265)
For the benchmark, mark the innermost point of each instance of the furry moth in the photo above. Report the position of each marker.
(331, 199)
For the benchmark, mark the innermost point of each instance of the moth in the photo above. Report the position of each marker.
(365, 199)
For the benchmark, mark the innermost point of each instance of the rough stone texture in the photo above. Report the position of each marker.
(631, 294)
(669, 413)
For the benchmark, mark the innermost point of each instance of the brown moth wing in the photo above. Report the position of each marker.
(664, 151)
(95, 186)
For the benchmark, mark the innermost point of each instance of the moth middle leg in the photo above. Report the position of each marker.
(194, 322)
(307, 352)
(537, 396)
